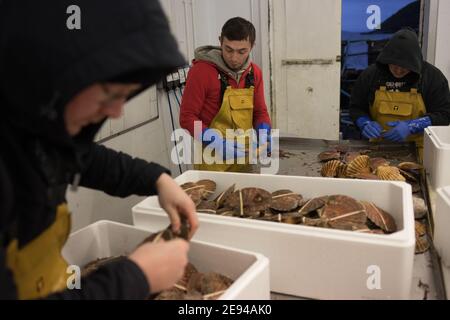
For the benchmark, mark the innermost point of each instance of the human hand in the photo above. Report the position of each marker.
(399, 133)
(369, 129)
(162, 263)
(227, 149)
(263, 131)
(176, 203)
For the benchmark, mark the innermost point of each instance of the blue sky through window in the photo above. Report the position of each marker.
(354, 15)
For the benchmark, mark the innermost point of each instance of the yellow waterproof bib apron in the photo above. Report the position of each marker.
(236, 112)
(398, 106)
(39, 268)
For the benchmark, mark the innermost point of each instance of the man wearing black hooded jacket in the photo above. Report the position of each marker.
(57, 86)
(400, 95)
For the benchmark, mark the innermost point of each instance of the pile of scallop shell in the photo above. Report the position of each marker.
(356, 165)
(360, 166)
(194, 285)
(285, 206)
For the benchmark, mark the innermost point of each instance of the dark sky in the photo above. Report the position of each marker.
(354, 14)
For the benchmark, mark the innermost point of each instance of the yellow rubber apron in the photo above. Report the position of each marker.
(235, 113)
(39, 268)
(399, 106)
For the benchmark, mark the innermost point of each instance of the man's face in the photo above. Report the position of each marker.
(96, 103)
(398, 71)
(235, 53)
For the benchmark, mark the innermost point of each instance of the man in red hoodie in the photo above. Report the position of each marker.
(225, 90)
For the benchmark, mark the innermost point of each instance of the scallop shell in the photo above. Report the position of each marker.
(350, 156)
(313, 204)
(422, 245)
(285, 200)
(208, 283)
(410, 166)
(359, 165)
(329, 155)
(249, 200)
(380, 217)
(389, 173)
(407, 175)
(221, 198)
(207, 207)
(329, 169)
(377, 162)
(420, 208)
(366, 176)
(341, 171)
(343, 210)
(420, 228)
(209, 187)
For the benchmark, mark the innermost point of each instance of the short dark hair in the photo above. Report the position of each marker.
(237, 29)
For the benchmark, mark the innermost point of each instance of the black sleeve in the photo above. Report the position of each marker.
(437, 97)
(7, 286)
(361, 94)
(118, 280)
(118, 174)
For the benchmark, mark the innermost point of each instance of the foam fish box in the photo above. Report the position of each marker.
(442, 224)
(436, 155)
(250, 271)
(308, 261)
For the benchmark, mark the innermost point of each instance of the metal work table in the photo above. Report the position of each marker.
(298, 157)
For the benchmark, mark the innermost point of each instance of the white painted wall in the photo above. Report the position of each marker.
(147, 142)
(442, 51)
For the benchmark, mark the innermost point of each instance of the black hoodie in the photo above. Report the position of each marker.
(403, 50)
(43, 65)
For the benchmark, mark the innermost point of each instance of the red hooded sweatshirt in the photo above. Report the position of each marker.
(201, 96)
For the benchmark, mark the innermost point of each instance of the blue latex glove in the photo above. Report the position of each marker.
(399, 132)
(418, 125)
(402, 129)
(369, 129)
(263, 131)
(227, 149)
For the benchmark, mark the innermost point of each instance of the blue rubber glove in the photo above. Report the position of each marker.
(402, 129)
(369, 129)
(263, 131)
(418, 125)
(227, 149)
(399, 133)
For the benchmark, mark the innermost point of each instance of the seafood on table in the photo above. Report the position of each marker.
(287, 206)
(194, 285)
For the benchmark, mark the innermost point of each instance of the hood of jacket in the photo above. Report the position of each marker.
(403, 49)
(213, 54)
(44, 64)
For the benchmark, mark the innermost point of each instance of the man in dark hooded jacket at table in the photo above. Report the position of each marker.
(57, 87)
(399, 96)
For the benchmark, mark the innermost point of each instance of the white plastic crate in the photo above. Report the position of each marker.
(436, 155)
(250, 271)
(442, 224)
(308, 261)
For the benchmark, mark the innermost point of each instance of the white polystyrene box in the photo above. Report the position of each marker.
(308, 261)
(250, 271)
(436, 155)
(442, 224)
